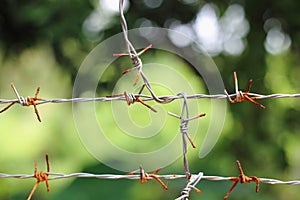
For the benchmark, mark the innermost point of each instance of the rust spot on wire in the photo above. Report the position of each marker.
(40, 177)
(242, 178)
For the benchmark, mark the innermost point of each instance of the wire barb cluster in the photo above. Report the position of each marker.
(144, 177)
(28, 101)
(242, 96)
(40, 177)
(242, 178)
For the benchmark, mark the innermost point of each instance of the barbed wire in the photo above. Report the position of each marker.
(56, 176)
(130, 98)
(141, 175)
(34, 101)
(150, 98)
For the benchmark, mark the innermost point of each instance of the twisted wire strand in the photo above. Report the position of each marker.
(150, 98)
(184, 132)
(130, 47)
(184, 120)
(56, 176)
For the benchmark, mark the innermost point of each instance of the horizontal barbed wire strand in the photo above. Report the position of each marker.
(150, 98)
(56, 176)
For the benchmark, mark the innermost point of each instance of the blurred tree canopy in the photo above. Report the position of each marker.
(265, 141)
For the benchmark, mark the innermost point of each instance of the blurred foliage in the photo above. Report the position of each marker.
(43, 43)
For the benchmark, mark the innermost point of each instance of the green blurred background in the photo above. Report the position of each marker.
(42, 43)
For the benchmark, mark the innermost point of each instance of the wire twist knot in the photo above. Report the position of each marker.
(144, 177)
(136, 61)
(132, 98)
(184, 126)
(28, 101)
(242, 96)
(242, 178)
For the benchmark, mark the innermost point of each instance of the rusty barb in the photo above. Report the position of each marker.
(137, 62)
(132, 98)
(242, 178)
(40, 177)
(242, 96)
(28, 101)
(144, 177)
